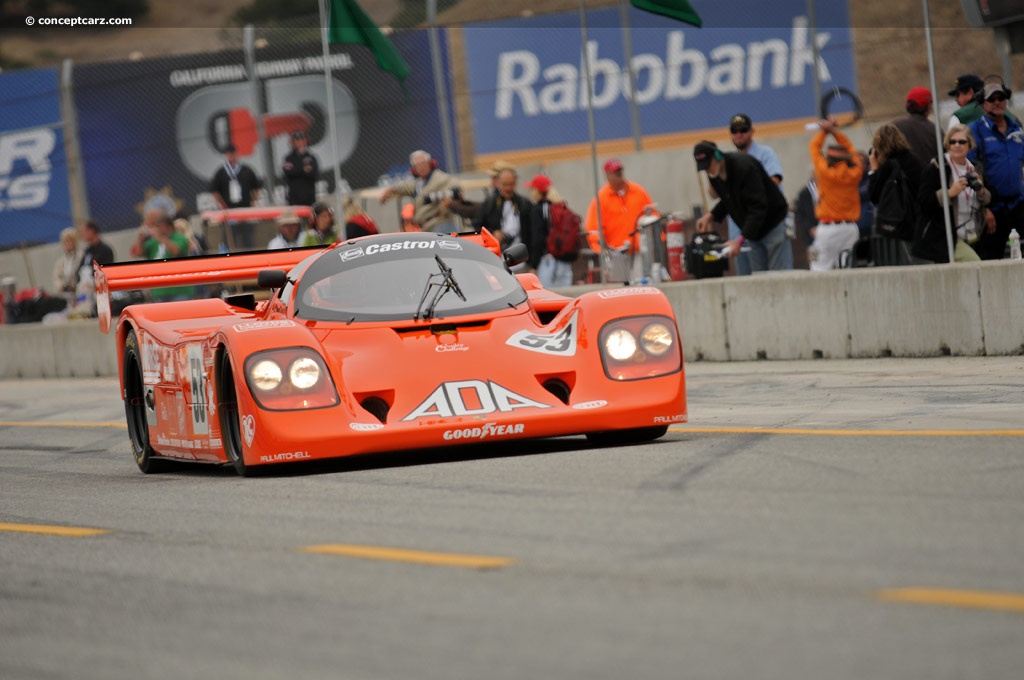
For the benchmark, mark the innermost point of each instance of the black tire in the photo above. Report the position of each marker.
(230, 425)
(634, 436)
(136, 410)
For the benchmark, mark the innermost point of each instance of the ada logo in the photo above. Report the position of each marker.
(562, 343)
(471, 398)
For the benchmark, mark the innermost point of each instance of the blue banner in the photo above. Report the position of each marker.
(34, 199)
(155, 130)
(528, 91)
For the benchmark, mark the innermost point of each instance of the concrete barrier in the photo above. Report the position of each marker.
(968, 309)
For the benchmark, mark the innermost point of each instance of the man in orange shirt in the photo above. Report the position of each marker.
(622, 203)
(838, 174)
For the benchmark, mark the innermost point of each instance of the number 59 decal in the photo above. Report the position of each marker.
(562, 343)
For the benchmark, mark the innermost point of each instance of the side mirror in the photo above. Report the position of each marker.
(272, 278)
(516, 254)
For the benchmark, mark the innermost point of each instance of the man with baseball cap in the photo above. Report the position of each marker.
(916, 127)
(750, 196)
(621, 202)
(301, 171)
(741, 129)
(966, 91)
(837, 172)
(289, 225)
(1000, 148)
(553, 272)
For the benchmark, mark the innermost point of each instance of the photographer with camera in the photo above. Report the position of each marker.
(967, 200)
(433, 192)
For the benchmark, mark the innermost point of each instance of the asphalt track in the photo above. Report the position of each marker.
(841, 519)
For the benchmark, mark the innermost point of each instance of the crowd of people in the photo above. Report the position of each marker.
(846, 204)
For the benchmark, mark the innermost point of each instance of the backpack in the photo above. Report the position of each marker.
(896, 210)
(563, 233)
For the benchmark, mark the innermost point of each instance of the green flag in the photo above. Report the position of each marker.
(675, 9)
(349, 24)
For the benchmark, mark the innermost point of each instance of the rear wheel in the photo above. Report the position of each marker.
(634, 436)
(137, 406)
(230, 424)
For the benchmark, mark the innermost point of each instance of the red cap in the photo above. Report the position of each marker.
(919, 96)
(612, 165)
(541, 183)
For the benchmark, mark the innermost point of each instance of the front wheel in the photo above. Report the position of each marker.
(634, 436)
(137, 407)
(230, 423)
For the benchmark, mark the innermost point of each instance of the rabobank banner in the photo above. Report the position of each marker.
(528, 90)
(34, 203)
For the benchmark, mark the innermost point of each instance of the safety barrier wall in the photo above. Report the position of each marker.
(971, 309)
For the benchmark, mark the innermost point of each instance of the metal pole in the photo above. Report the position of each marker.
(72, 144)
(627, 49)
(812, 27)
(593, 137)
(440, 87)
(258, 109)
(938, 133)
(1002, 40)
(325, 24)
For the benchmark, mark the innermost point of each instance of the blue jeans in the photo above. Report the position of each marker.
(554, 273)
(772, 252)
(742, 261)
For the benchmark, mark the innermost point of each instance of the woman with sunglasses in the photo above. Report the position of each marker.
(967, 200)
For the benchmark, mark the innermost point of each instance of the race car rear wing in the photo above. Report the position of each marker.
(187, 271)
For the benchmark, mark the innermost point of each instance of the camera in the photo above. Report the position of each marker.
(437, 196)
(973, 181)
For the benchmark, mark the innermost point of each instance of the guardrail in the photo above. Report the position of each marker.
(970, 309)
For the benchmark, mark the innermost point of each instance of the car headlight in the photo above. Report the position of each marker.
(656, 339)
(640, 347)
(266, 375)
(304, 373)
(620, 344)
(304, 384)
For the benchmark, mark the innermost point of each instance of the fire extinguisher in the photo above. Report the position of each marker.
(675, 243)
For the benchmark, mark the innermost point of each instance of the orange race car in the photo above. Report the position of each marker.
(384, 343)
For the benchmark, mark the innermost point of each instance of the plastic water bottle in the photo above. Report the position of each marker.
(1014, 245)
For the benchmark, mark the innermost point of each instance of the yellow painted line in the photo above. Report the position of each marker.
(973, 599)
(851, 433)
(51, 530)
(61, 423)
(369, 552)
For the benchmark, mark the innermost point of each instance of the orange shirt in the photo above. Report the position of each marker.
(838, 185)
(618, 215)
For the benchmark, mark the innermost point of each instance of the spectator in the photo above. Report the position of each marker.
(916, 127)
(837, 173)
(408, 223)
(96, 249)
(357, 222)
(65, 269)
(967, 198)
(196, 243)
(301, 171)
(741, 128)
(621, 202)
(432, 191)
(506, 214)
(236, 185)
(1001, 153)
(867, 209)
(889, 150)
(804, 218)
(146, 230)
(752, 198)
(966, 91)
(322, 231)
(288, 226)
(552, 272)
(166, 242)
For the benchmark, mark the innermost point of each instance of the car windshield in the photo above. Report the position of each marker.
(386, 278)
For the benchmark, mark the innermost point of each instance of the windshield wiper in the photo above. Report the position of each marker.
(446, 284)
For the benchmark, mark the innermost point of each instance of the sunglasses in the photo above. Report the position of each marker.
(996, 98)
(744, 129)
(958, 141)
